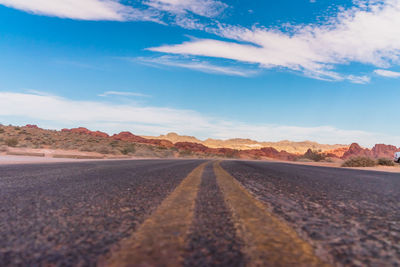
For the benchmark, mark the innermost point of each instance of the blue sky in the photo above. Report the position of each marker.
(266, 70)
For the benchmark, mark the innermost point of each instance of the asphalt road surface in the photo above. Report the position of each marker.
(197, 213)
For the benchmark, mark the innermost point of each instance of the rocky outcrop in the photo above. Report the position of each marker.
(383, 151)
(82, 130)
(130, 137)
(202, 149)
(32, 126)
(378, 151)
(355, 150)
(266, 153)
(336, 153)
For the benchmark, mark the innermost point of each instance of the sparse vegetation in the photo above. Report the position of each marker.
(359, 162)
(185, 153)
(314, 155)
(385, 162)
(12, 142)
(128, 149)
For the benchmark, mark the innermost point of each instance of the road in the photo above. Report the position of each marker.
(197, 213)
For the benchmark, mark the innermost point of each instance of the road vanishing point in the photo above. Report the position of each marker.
(197, 213)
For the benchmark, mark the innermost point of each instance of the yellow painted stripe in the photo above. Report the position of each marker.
(268, 241)
(160, 239)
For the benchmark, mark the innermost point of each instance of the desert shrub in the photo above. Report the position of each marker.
(2, 130)
(231, 154)
(185, 153)
(103, 150)
(314, 155)
(13, 142)
(128, 149)
(359, 162)
(114, 143)
(86, 149)
(385, 162)
(17, 128)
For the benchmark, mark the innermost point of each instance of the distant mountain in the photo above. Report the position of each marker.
(248, 144)
(176, 146)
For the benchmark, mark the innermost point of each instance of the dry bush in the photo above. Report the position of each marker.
(359, 162)
(314, 155)
(129, 149)
(12, 142)
(103, 150)
(385, 162)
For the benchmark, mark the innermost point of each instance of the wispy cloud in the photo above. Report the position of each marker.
(83, 10)
(114, 10)
(206, 8)
(388, 73)
(120, 93)
(367, 33)
(198, 65)
(58, 112)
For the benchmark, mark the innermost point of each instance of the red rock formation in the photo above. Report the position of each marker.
(32, 126)
(266, 152)
(82, 130)
(383, 151)
(202, 149)
(194, 147)
(378, 151)
(130, 137)
(355, 150)
(336, 153)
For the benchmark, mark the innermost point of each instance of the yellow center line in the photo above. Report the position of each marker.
(160, 239)
(268, 241)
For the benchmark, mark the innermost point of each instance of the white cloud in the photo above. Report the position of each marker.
(147, 10)
(359, 79)
(388, 73)
(119, 93)
(368, 34)
(57, 112)
(82, 9)
(206, 8)
(197, 65)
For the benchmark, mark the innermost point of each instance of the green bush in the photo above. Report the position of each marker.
(385, 162)
(13, 142)
(359, 162)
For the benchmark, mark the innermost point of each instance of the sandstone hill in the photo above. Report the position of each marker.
(248, 144)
